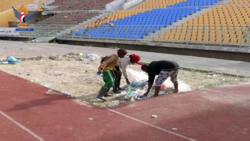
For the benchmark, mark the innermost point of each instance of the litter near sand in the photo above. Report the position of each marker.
(67, 93)
(138, 87)
(98, 74)
(154, 116)
(12, 60)
(52, 92)
(87, 57)
(9, 60)
(47, 85)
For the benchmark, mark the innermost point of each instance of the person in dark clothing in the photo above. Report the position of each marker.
(118, 74)
(163, 69)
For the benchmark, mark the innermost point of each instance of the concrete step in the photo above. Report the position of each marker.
(42, 39)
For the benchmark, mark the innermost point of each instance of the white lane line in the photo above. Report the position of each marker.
(21, 126)
(152, 125)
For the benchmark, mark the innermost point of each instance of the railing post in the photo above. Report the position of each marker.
(160, 35)
(137, 33)
(48, 30)
(89, 31)
(106, 33)
(221, 35)
(98, 33)
(148, 30)
(116, 32)
(187, 33)
(126, 34)
(204, 32)
(66, 32)
(241, 37)
(173, 34)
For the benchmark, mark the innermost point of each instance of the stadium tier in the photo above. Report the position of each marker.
(226, 24)
(69, 18)
(7, 4)
(152, 20)
(80, 4)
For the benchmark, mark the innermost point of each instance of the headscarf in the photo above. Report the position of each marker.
(136, 58)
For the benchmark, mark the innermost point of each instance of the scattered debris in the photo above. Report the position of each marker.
(115, 102)
(52, 92)
(48, 84)
(12, 60)
(90, 118)
(87, 57)
(201, 87)
(154, 116)
(9, 60)
(67, 93)
(174, 129)
(98, 74)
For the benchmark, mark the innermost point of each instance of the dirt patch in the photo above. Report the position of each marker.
(77, 77)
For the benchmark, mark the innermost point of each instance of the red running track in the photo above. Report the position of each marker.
(217, 114)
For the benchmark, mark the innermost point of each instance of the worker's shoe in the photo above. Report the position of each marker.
(116, 91)
(119, 88)
(107, 94)
(101, 99)
(103, 91)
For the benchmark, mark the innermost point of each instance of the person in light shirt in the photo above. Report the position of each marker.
(123, 63)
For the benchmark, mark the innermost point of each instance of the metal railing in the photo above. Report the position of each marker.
(235, 35)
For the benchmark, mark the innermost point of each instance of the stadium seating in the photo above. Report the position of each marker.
(224, 24)
(131, 26)
(146, 6)
(69, 18)
(7, 4)
(80, 4)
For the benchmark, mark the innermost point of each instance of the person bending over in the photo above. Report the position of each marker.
(163, 69)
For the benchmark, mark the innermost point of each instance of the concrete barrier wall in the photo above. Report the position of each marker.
(237, 56)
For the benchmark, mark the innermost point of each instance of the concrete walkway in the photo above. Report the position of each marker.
(21, 49)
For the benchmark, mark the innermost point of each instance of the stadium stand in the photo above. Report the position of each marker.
(80, 4)
(71, 18)
(131, 22)
(7, 4)
(66, 18)
(226, 24)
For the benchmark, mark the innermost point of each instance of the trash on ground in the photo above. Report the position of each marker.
(52, 92)
(87, 57)
(67, 93)
(174, 129)
(12, 60)
(9, 60)
(90, 118)
(154, 116)
(98, 74)
(138, 87)
(48, 84)
(115, 102)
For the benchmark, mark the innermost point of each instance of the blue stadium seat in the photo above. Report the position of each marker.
(155, 19)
